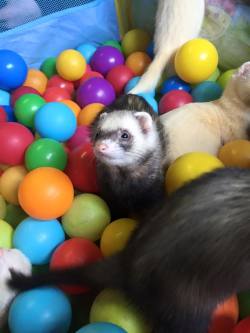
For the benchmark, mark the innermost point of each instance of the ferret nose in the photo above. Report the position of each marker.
(102, 147)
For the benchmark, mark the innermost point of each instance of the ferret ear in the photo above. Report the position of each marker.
(145, 121)
(103, 115)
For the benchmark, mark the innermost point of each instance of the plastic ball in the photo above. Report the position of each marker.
(56, 94)
(135, 40)
(150, 50)
(14, 215)
(45, 153)
(151, 101)
(173, 100)
(225, 316)
(89, 113)
(16, 94)
(45, 193)
(90, 75)
(57, 81)
(87, 50)
(87, 217)
(111, 306)
(196, 60)
(72, 105)
(10, 181)
(188, 167)
(36, 79)
(131, 84)
(215, 75)
(48, 67)
(119, 77)
(206, 91)
(56, 121)
(13, 70)
(105, 58)
(15, 139)
(3, 115)
(71, 65)
(81, 136)
(9, 112)
(235, 154)
(113, 43)
(101, 328)
(175, 83)
(40, 310)
(75, 252)
(243, 326)
(6, 235)
(26, 107)
(95, 90)
(138, 62)
(116, 235)
(3, 207)
(4, 97)
(244, 304)
(46, 237)
(225, 78)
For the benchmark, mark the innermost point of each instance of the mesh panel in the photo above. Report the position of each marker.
(17, 12)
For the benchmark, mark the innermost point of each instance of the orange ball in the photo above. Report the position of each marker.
(46, 193)
(73, 106)
(36, 79)
(225, 316)
(236, 154)
(89, 113)
(138, 62)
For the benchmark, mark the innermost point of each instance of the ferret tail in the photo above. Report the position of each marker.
(105, 273)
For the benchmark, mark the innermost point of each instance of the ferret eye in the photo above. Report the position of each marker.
(125, 135)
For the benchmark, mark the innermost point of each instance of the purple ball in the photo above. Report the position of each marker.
(105, 58)
(95, 90)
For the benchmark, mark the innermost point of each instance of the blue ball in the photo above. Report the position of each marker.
(101, 328)
(207, 91)
(40, 310)
(56, 121)
(10, 112)
(175, 83)
(87, 50)
(151, 101)
(132, 83)
(150, 50)
(4, 97)
(44, 238)
(13, 70)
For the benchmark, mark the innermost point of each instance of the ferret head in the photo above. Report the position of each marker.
(241, 83)
(125, 132)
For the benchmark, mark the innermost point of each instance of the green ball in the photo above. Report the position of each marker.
(6, 235)
(135, 40)
(112, 307)
(2, 207)
(45, 153)
(225, 77)
(87, 217)
(113, 43)
(244, 304)
(26, 107)
(14, 215)
(48, 67)
(214, 76)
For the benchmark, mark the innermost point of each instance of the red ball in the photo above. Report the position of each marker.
(173, 100)
(119, 77)
(20, 92)
(56, 94)
(81, 168)
(3, 115)
(243, 326)
(58, 81)
(81, 136)
(15, 139)
(75, 252)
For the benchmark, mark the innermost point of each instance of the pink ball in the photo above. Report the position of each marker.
(81, 136)
(20, 92)
(173, 100)
(3, 115)
(119, 77)
(15, 139)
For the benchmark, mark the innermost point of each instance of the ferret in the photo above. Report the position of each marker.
(188, 255)
(129, 145)
(208, 126)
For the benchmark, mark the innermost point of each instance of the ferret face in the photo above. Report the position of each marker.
(123, 137)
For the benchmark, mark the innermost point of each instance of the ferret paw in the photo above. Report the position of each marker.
(244, 70)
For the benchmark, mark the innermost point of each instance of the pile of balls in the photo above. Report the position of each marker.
(49, 203)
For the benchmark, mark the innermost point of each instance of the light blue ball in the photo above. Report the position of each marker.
(56, 121)
(40, 310)
(151, 101)
(38, 239)
(132, 83)
(4, 97)
(87, 50)
(207, 91)
(101, 328)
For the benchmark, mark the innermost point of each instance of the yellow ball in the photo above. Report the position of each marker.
(9, 183)
(116, 236)
(188, 167)
(6, 235)
(196, 60)
(71, 65)
(135, 40)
